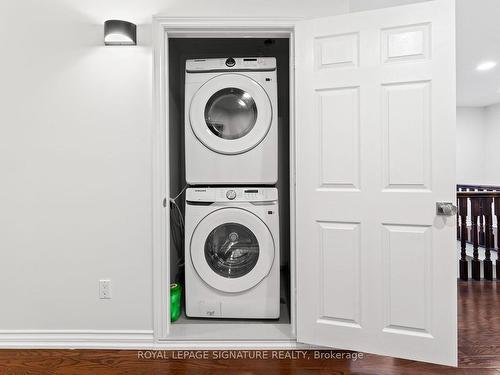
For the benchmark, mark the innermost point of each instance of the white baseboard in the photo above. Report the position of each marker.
(76, 339)
(130, 339)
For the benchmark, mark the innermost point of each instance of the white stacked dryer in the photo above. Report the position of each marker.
(232, 254)
(231, 132)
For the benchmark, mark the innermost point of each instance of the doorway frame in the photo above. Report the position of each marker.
(205, 27)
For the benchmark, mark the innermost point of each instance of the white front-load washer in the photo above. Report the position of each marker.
(232, 253)
(231, 132)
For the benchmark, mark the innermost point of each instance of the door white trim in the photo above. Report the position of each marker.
(204, 27)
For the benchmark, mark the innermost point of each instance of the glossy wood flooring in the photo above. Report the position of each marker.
(479, 352)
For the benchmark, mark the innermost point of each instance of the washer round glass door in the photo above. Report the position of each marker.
(230, 114)
(232, 250)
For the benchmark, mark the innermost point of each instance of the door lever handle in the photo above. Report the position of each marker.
(445, 209)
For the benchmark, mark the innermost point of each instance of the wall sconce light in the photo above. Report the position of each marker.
(120, 33)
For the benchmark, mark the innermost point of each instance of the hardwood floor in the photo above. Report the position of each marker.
(479, 324)
(478, 334)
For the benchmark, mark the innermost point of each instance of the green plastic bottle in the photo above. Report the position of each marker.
(175, 301)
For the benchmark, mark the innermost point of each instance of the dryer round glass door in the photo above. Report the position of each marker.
(232, 250)
(230, 114)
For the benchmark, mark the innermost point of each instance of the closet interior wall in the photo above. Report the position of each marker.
(181, 49)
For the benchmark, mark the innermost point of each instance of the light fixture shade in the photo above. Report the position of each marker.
(120, 33)
(486, 65)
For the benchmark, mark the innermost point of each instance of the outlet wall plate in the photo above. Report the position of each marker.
(105, 289)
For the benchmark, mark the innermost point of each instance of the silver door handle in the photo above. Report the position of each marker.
(445, 209)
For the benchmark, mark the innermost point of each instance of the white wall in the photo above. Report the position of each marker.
(478, 145)
(492, 145)
(75, 157)
(470, 145)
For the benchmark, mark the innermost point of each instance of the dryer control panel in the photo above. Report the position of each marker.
(231, 64)
(232, 194)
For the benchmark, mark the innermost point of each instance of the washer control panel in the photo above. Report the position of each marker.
(238, 194)
(252, 194)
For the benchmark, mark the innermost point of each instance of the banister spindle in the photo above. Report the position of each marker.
(481, 221)
(468, 235)
(467, 231)
(487, 265)
(476, 264)
(464, 266)
(491, 232)
(497, 214)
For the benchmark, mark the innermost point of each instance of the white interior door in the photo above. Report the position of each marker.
(375, 97)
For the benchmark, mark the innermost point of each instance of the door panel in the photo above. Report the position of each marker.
(406, 148)
(339, 263)
(339, 128)
(407, 288)
(375, 94)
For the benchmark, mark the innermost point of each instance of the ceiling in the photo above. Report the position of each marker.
(478, 40)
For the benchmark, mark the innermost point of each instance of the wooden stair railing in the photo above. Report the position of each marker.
(462, 213)
(481, 204)
(481, 238)
(464, 187)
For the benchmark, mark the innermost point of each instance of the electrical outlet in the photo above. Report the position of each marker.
(105, 289)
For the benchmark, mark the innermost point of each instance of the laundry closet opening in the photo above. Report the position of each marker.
(223, 320)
